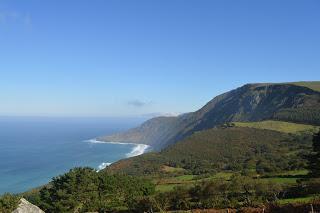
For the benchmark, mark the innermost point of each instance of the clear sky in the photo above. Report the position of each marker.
(133, 57)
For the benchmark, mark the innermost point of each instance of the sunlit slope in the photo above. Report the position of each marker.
(280, 126)
(314, 85)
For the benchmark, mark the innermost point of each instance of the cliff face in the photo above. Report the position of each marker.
(150, 132)
(27, 207)
(251, 102)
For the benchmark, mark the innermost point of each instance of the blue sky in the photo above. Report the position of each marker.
(127, 58)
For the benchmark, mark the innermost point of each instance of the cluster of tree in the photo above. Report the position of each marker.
(239, 149)
(85, 190)
(314, 157)
(310, 185)
(306, 115)
(8, 203)
(240, 191)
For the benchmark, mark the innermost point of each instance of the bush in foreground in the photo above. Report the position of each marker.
(85, 190)
(8, 203)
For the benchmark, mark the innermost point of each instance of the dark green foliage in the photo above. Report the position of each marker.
(230, 149)
(297, 207)
(146, 164)
(304, 188)
(314, 158)
(238, 192)
(180, 198)
(306, 115)
(219, 149)
(8, 203)
(73, 190)
(85, 190)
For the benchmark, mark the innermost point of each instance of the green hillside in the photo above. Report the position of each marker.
(315, 85)
(280, 126)
(226, 167)
(291, 102)
(224, 149)
(245, 148)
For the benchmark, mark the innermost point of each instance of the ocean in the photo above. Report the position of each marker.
(33, 150)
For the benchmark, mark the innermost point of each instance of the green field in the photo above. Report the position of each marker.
(165, 187)
(169, 169)
(279, 126)
(168, 184)
(289, 177)
(186, 177)
(294, 172)
(222, 175)
(298, 200)
(282, 180)
(315, 85)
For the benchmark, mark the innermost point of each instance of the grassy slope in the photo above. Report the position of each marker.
(280, 126)
(214, 145)
(169, 183)
(217, 149)
(315, 85)
(298, 200)
(225, 148)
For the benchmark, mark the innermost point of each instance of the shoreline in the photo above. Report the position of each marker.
(137, 150)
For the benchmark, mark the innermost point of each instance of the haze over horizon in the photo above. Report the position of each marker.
(132, 58)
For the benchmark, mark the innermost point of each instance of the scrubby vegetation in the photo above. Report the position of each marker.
(314, 157)
(85, 190)
(309, 115)
(8, 203)
(248, 150)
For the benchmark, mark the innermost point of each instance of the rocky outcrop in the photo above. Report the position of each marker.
(27, 207)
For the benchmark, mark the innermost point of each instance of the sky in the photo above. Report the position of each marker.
(144, 57)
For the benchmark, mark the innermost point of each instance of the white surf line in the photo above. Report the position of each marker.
(138, 149)
(112, 142)
(103, 166)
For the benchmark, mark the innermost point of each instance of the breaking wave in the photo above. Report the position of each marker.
(96, 141)
(138, 149)
(103, 166)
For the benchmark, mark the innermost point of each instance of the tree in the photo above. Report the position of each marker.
(161, 202)
(314, 158)
(8, 203)
(71, 192)
(179, 198)
(85, 190)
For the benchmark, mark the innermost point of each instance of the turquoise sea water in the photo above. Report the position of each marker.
(33, 150)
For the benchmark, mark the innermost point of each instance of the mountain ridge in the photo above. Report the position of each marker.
(250, 102)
